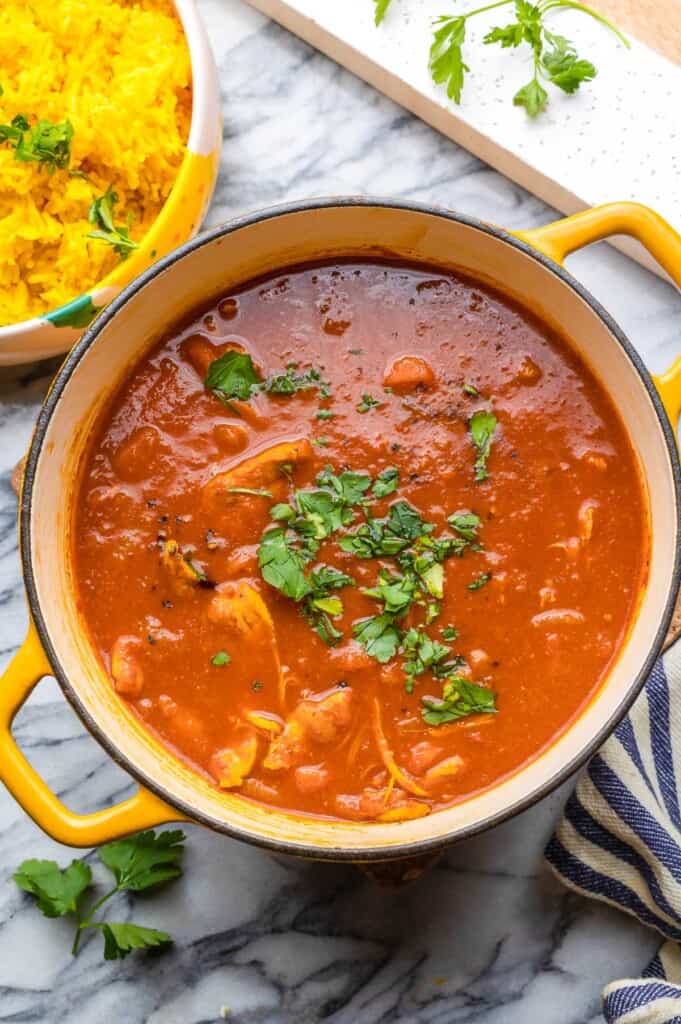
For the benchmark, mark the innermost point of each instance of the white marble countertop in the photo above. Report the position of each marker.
(487, 936)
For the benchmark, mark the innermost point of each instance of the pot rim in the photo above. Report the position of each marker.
(49, 407)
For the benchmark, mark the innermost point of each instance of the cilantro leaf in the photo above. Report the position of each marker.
(459, 699)
(482, 425)
(57, 890)
(320, 605)
(446, 62)
(379, 636)
(424, 653)
(233, 375)
(449, 633)
(121, 939)
(381, 8)
(101, 214)
(386, 482)
(324, 414)
(282, 511)
(144, 860)
(281, 564)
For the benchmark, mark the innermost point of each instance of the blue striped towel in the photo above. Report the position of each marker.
(620, 841)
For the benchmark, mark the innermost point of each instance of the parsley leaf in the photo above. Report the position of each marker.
(459, 699)
(290, 383)
(466, 524)
(483, 578)
(350, 487)
(396, 593)
(379, 636)
(482, 425)
(121, 939)
(446, 62)
(220, 659)
(46, 143)
(144, 860)
(101, 214)
(233, 375)
(381, 8)
(319, 606)
(386, 482)
(533, 97)
(368, 402)
(57, 891)
(250, 490)
(564, 68)
(281, 564)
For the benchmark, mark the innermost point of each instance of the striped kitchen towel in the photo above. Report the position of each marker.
(620, 840)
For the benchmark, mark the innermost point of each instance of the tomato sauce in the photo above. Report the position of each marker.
(392, 365)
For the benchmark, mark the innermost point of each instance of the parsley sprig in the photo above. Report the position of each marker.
(47, 143)
(138, 863)
(101, 214)
(555, 59)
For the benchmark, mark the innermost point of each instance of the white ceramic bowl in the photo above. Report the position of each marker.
(180, 218)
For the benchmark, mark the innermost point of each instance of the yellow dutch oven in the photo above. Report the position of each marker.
(529, 268)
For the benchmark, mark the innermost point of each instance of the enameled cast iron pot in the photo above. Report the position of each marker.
(528, 268)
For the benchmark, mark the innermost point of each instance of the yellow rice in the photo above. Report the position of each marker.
(119, 71)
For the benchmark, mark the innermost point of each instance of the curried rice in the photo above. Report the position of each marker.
(119, 71)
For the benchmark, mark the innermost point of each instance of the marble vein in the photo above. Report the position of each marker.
(487, 937)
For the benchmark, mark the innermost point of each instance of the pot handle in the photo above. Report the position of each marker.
(143, 810)
(559, 239)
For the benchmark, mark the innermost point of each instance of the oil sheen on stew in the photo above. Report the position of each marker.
(360, 540)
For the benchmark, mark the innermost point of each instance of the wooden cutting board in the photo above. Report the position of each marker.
(618, 138)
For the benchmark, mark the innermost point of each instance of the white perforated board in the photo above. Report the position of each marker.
(618, 138)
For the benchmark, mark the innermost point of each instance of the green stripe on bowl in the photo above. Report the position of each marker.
(77, 313)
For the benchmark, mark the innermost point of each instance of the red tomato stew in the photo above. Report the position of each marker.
(360, 540)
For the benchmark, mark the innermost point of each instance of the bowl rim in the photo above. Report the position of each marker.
(51, 403)
(190, 20)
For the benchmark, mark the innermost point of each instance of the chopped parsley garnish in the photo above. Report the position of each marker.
(379, 636)
(281, 564)
(220, 659)
(466, 524)
(450, 633)
(482, 425)
(46, 143)
(101, 214)
(320, 606)
(368, 402)
(233, 376)
(459, 699)
(422, 653)
(482, 579)
(290, 383)
(324, 414)
(386, 482)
